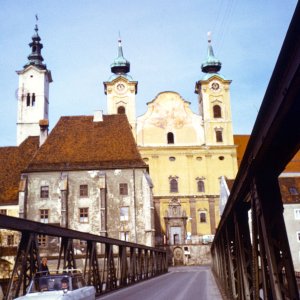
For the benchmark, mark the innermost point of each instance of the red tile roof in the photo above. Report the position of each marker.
(12, 161)
(78, 143)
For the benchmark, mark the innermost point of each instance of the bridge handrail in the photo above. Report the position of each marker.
(24, 225)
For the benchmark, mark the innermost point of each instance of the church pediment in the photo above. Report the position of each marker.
(168, 111)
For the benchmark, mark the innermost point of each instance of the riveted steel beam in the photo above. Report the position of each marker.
(66, 254)
(26, 265)
(244, 255)
(274, 141)
(91, 268)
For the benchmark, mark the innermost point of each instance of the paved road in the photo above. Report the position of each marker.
(181, 283)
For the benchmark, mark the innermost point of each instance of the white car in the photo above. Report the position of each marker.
(68, 285)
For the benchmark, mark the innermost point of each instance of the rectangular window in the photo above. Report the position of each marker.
(219, 136)
(202, 216)
(44, 191)
(83, 190)
(84, 215)
(124, 213)
(297, 213)
(124, 236)
(42, 240)
(123, 189)
(10, 240)
(44, 216)
(3, 211)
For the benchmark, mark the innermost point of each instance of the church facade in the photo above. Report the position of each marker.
(187, 152)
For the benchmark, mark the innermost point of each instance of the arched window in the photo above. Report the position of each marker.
(173, 186)
(121, 110)
(33, 99)
(200, 185)
(217, 111)
(28, 100)
(219, 136)
(170, 138)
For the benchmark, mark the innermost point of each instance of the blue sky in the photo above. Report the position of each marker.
(164, 40)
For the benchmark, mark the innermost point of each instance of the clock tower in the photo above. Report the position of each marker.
(33, 92)
(121, 89)
(214, 101)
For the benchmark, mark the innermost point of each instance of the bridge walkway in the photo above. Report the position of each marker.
(180, 283)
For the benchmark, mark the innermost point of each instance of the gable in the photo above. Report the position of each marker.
(169, 112)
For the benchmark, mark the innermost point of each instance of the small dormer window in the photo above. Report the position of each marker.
(170, 137)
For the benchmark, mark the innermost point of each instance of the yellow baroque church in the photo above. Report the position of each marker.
(186, 152)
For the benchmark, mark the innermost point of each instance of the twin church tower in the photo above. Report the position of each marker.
(186, 152)
(121, 90)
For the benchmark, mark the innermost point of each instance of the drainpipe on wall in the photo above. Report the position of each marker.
(134, 202)
(103, 205)
(23, 194)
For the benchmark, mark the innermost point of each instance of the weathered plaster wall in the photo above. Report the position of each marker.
(103, 194)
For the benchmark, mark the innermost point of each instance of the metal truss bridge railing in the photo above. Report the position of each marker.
(251, 254)
(108, 264)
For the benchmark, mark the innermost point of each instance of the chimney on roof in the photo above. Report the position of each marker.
(98, 116)
(44, 125)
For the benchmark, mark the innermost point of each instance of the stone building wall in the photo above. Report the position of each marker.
(104, 202)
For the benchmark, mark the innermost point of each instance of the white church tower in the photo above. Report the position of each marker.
(121, 89)
(33, 93)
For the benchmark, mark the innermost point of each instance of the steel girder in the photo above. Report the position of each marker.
(91, 267)
(243, 253)
(109, 264)
(67, 254)
(26, 265)
(274, 141)
(260, 264)
(109, 271)
(273, 253)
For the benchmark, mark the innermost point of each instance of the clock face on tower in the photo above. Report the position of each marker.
(215, 86)
(120, 88)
